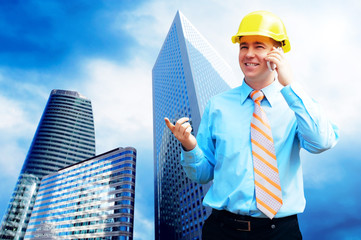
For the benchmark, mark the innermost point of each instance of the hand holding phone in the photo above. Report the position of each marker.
(284, 72)
(272, 66)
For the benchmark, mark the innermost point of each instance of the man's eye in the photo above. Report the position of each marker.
(244, 47)
(260, 46)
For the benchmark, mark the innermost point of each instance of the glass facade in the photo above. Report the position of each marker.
(187, 73)
(93, 199)
(65, 135)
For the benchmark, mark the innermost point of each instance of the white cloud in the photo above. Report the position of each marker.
(325, 61)
(122, 102)
(11, 114)
(319, 168)
(144, 228)
(149, 23)
(15, 126)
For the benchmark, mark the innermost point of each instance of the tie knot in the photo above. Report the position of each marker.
(257, 96)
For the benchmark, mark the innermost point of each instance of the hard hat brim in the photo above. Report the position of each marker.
(285, 42)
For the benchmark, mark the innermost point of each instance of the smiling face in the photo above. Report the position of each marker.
(253, 50)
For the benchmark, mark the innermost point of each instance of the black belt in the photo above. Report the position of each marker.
(247, 223)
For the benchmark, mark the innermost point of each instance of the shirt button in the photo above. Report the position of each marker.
(273, 226)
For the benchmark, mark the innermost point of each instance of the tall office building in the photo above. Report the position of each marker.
(65, 135)
(90, 200)
(187, 72)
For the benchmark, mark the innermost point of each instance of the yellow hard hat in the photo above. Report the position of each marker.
(265, 24)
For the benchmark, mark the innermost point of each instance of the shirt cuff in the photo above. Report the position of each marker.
(292, 93)
(192, 155)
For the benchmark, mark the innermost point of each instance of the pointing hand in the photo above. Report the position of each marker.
(182, 131)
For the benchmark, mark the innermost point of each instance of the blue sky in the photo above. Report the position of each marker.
(106, 49)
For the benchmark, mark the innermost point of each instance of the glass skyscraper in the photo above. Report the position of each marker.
(90, 200)
(65, 135)
(187, 73)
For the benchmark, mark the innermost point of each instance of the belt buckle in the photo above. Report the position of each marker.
(248, 229)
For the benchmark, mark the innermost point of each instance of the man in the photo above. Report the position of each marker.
(249, 140)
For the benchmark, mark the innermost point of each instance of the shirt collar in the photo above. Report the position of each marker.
(270, 92)
(245, 91)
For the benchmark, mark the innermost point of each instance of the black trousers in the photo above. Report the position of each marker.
(224, 225)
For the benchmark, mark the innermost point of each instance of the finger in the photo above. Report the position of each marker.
(185, 126)
(274, 54)
(277, 54)
(187, 132)
(169, 124)
(273, 59)
(180, 122)
(278, 49)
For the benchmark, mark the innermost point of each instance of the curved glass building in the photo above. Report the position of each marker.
(187, 73)
(93, 199)
(65, 135)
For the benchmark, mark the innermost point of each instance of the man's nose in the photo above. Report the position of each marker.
(250, 52)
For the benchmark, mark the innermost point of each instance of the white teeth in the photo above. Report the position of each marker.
(251, 64)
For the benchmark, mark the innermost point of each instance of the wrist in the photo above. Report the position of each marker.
(284, 82)
(188, 148)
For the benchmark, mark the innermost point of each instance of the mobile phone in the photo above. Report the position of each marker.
(272, 66)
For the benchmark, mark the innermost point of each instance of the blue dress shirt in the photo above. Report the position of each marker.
(223, 152)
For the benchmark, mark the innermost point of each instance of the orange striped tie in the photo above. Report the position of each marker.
(266, 177)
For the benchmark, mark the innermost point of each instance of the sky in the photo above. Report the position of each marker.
(106, 49)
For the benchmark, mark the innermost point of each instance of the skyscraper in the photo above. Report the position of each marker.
(93, 199)
(65, 135)
(187, 72)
